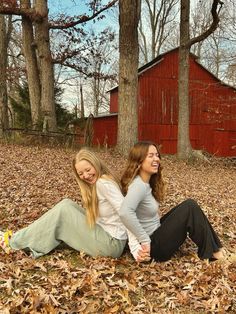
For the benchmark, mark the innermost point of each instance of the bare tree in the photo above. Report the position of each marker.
(3, 77)
(37, 16)
(184, 149)
(81, 101)
(102, 56)
(32, 67)
(217, 52)
(39, 87)
(42, 42)
(158, 19)
(128, 74)
(200, 21)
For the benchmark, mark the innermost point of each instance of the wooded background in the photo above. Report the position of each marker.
(57, 67)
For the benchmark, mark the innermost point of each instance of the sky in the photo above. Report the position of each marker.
(74, 7)
(67, 6)
(70, 7)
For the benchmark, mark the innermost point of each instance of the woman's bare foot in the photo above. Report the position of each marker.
(223, 254)
(218, 255)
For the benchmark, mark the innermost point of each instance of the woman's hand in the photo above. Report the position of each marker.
(144, 253)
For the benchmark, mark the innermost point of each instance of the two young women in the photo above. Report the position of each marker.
(101, 229)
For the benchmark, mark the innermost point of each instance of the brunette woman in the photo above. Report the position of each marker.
(152, 237)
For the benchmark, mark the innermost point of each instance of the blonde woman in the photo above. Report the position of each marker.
(95, 229)
(152, 237)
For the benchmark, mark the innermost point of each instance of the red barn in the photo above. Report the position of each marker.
(212, 108)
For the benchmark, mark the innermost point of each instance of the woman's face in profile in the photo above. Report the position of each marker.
(150, 164)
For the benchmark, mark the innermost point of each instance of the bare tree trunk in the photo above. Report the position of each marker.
(82, 101)
(46, 66)
(128, 74)
(96, 87)
(31, 66)
(218, 55)
(144, 46)
(4, 121)
(184, 149)
(184, 146)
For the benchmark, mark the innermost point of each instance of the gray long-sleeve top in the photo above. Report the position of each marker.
(139, 211)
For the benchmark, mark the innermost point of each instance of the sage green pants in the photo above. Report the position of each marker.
(66, 223)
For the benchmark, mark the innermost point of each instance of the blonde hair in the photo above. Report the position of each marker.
(136, 156)
(88, 191)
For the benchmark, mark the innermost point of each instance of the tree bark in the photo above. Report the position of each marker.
(46, 66)
(128, 74)
(184, 146)
(4, 121)
(31, 67)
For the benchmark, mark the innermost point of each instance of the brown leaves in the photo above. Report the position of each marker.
(33, 179)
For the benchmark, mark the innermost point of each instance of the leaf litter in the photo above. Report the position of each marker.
(35, 178)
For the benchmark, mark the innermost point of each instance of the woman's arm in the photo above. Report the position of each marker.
(136, 193)
(140, 252)
(111, 192)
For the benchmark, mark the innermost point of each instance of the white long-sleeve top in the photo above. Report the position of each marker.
(110, 199)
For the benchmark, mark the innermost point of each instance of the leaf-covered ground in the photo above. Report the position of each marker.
(33, 179)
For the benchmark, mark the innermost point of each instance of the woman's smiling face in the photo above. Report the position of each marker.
(150, 164)
(86, 171)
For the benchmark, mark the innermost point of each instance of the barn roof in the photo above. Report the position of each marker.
(159, 58)
(105, 115)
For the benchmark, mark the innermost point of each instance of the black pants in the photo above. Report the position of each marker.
(186, 219)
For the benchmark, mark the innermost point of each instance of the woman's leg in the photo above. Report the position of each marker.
(66, 222)
(186, 219)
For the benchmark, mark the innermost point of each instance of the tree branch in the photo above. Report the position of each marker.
(82, 19)
(29, 13)
(213, 26)
(10, 9)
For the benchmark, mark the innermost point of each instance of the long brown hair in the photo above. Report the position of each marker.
(88, 191)
(136, 156)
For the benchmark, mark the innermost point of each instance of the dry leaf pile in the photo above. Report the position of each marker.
(33, 179)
